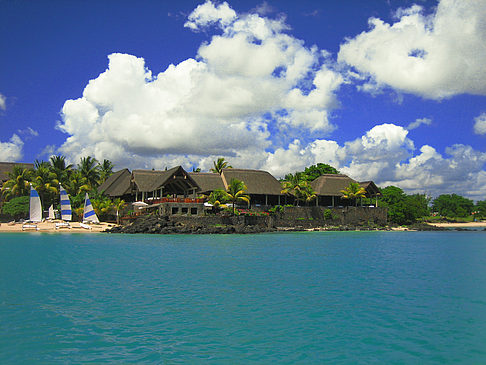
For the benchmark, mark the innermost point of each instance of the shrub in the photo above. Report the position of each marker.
(328, 214)
(17, 208)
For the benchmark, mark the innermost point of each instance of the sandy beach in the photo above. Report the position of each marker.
(460, 225)
(51, 227)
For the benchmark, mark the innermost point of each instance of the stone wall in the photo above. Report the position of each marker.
(305, 217)
(309, 217)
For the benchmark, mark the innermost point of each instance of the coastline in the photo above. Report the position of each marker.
(460, 225)
(51, 227)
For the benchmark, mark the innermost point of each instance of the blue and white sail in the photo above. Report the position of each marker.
(89, 214)
(66, 212)
(35, 207)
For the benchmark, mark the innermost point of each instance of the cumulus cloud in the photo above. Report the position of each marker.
(207, 14)
(480, 124)
(11, 151)
(386, 155)
(216, 103)
(3, 102)
(419, 122)
(435, 56)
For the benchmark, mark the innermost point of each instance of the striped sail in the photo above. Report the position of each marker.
(66, 213)
(35, 209)
(89, 214)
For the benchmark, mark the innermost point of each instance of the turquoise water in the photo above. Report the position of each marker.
(313, 297)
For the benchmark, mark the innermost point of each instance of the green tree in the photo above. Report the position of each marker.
(118, 205)
(17, 207)
(105, 170)
(220, 165)
(353, 192)
(236, 192)
(46, 183)
(297, 186)
(314, 171)
(481, 208)
(218, 197)
(452, 205)
(60, 167)
(18, 183)
(403, 208)
(90, 171)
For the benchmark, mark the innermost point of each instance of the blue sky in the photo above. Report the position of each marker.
(390, 91)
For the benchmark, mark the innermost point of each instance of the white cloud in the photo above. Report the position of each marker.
(419, 122)
(28, 132)
(480, 124)
(434, 56)
(208, 14)
(215, 104)
(3, 102)
(387, 156)
(11, 151)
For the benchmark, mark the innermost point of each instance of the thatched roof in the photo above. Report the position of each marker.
(151, 180)
(256, 181)
(331, 184)
(370, 187)
(118, 184)
(7, 167)
(208, 181)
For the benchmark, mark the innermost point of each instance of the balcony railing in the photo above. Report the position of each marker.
(174, 200)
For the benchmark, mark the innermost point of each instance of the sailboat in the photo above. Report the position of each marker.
(51, 216)
(35, 210)
(89, 215)
(66, 212)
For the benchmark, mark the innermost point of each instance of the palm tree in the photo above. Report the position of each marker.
(106, 170)
(41, 163)
(18, 184)
(236, 192)
(61, 168)
(354, 191)
(46, 183)
(118, 205)
(90, 171)
(296, 185)
(220, 165)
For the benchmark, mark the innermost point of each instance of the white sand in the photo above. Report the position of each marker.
(51, 227)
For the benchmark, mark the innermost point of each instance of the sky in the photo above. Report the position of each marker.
(390, 91)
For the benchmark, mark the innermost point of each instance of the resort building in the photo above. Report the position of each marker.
(263, 189)
(176, 191)
(328, 189)
(7, 167)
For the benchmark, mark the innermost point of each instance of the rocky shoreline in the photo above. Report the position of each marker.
(152, 224)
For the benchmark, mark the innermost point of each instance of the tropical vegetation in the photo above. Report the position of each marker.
(219, 165)
(353, 191)
(46, 176)
(236, 193)
(298, 187)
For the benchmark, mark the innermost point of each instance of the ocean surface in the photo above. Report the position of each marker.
(311, 297)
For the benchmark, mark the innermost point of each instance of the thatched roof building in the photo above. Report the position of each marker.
(371, 188)
(7, 167)
(173, 181)
(331, 184)
(208, 181)
(117, 184)
(258, 182)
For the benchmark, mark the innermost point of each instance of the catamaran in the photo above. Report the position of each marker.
(35, 211)
(89, 215)
(66, 212)
(51, 215)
